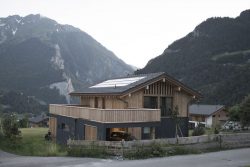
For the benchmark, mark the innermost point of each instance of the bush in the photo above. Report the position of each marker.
(10, 127)
(23, 123)
(141, 152)
(216, 131)
(88, 151)
(199, 130)
(241, 112)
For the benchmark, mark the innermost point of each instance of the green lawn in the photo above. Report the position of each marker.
(37, 133)
(32, 143)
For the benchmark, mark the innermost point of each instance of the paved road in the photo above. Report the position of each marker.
(230, 158)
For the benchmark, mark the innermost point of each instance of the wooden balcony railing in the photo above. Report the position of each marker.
(107, 115)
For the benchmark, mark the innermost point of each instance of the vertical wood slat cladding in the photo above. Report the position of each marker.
(136, 132)
(107, 115)
(90, 132)
(92, 102)
(181, 100)
(52, 126)
(108, 102)
(135, 100)
(159, 88)
(85, 101)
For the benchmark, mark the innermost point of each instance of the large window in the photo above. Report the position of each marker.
(146, 130)
(150, 102)
(166, 106)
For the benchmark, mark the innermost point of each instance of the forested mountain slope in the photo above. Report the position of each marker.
(214, 59)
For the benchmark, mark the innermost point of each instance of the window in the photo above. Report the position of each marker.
(166, 106)
(150, 102)
(146, 130)
(103, 103)
(63, 126)
(96, 102)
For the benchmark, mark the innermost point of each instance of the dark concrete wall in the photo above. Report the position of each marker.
(66, 133)
(167, 128)
(76, 129)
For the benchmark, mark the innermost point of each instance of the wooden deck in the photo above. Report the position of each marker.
(107, 115)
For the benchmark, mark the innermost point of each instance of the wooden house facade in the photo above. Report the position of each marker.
(140, 105)
(209, 115)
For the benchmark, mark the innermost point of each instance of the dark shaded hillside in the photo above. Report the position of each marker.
(47, 60)
(214, 59)
(20, 103)
(29, 72)
(41, 61)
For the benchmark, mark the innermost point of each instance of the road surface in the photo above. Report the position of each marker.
(229, 158)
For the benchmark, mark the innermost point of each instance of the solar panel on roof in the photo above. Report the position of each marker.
(117, 82)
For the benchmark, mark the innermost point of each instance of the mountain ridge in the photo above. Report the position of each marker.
(47, 60)
(214, 59)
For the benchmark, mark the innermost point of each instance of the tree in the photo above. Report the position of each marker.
(244, 113)
(10, 126)
(241, 112)
(23, 123)
(234, 113)
(1, 108)
(199, 130)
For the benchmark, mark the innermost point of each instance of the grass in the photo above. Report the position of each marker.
(32, 143)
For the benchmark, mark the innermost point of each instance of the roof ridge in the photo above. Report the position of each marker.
(209, 104)
(147, 74)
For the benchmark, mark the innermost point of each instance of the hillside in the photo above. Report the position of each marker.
(47, 60)
(214, 59)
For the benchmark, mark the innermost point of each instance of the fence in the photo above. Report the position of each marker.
(221, 141)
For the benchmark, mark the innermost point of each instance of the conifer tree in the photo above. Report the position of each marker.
(244, 113)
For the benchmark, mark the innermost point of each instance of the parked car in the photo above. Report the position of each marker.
(121, 135)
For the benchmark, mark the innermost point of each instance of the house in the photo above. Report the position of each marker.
(140, 105)
(210, 115)
(39, 121)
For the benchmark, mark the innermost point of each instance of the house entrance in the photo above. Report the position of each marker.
(118, 134)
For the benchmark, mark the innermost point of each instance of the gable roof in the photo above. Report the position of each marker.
(131, 83)
(202, 109)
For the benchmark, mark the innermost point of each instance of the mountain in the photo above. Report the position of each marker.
(214, 59)
(47, 60)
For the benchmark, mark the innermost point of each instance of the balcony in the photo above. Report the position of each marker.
(107, 115)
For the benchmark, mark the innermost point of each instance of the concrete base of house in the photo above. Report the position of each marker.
(75, 129)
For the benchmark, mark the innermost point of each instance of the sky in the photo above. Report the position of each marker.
(135, 30)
